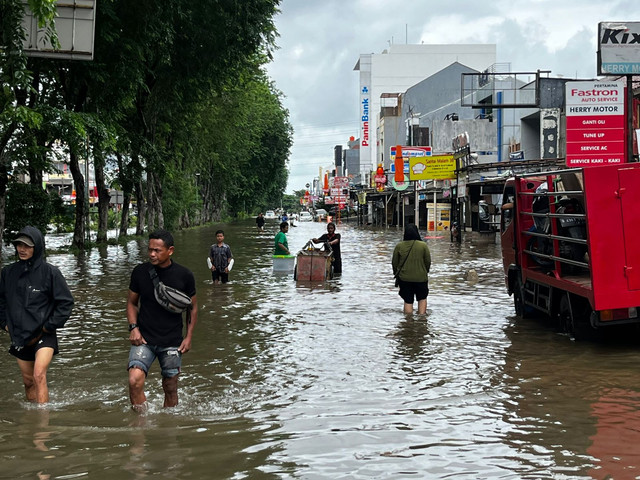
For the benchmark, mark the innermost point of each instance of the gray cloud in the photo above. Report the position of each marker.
(320, 43)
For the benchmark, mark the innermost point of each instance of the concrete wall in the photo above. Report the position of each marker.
(482, 134)
(437, 96)
(530, 141)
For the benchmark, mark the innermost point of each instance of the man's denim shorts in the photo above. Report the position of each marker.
(142, 356)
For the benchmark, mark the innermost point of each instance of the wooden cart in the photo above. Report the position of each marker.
(314, 264)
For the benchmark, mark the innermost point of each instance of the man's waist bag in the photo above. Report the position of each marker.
(169, 298)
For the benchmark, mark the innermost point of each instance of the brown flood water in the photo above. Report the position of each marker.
(327, 381)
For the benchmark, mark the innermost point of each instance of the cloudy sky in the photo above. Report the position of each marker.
(320, 43)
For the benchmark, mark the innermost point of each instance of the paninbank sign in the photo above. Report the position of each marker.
(364, 116)
(619, 48)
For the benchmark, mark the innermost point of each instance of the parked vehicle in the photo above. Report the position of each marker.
(321, 215)
(305, 217)
(270, 215)
(569, 245)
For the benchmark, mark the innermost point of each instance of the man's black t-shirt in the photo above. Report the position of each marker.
(158, 326)
(336, 247)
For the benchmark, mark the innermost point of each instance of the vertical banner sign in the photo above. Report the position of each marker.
(595, 123)
(365, 114)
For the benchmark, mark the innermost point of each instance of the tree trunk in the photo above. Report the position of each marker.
(142, 207)
(158, 201)
(124, 215)
(103, 201)
(127, 182)
(81, 207)
(4, 181)
(155, 216)
(151, 199)
(184, 220)
(3, 203)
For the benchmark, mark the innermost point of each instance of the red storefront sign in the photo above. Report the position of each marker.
(595, 123)
(341, 182)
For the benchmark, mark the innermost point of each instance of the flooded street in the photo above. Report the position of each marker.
(326, 381)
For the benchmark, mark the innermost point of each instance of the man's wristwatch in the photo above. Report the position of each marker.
(132, 326)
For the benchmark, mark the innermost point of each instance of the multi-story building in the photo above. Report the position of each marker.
(397, 69)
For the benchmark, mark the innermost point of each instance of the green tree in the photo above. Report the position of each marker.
(16, 113)
(29, 204)
(176, 98)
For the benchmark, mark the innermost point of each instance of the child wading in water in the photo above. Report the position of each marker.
(221, 259)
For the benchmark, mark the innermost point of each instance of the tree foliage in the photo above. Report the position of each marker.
(27, 201)
(176, 102)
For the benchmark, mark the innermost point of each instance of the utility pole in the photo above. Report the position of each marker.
(416, 196)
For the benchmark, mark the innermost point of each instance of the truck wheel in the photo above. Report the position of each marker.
(566, 316)
(522, 310)
(573, 316)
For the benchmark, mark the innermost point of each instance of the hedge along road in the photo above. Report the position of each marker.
(291, 380)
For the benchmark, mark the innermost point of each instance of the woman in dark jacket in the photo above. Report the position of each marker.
(34, 302)
(411, 262)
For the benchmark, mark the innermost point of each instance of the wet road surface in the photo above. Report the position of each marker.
(315, 381)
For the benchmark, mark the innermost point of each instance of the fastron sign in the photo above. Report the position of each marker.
(595, 123)
(619, 48)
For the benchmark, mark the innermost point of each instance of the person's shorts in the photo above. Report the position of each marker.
(142, 356)
(28, 354)
(409, 290)
(218, 275)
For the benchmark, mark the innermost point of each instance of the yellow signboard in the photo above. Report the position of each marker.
(437, 167)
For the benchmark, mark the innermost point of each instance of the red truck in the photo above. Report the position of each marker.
(570, 244)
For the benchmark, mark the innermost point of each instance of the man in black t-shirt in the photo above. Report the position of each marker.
(154, 331)
(333, 239)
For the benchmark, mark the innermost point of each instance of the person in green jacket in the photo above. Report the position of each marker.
(411, 262)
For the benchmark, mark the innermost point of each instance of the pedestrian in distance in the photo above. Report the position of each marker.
(281, 244)
(333, 239)
(411, 263)
(221, 259)
(260, 222)
(160, 291)
(35, 302)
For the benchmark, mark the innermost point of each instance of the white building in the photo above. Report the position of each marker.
(398, 68)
